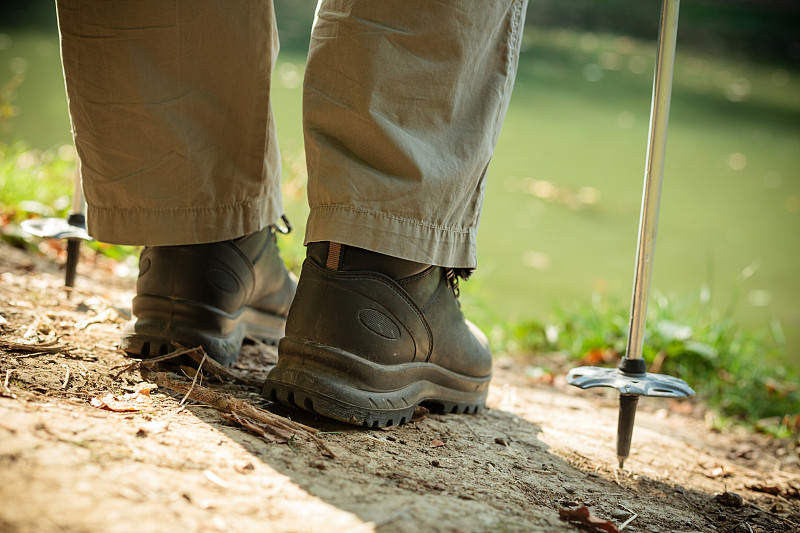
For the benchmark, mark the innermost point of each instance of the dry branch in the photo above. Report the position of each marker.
(228, 404)
(220, 371)
(45, 347)
(149, 362)
(266, 432)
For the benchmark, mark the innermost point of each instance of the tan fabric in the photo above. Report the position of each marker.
(171, 118)
(403, 102)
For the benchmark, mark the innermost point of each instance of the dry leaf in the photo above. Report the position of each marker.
(244, 469)
(125, 403)
(436, 443)
(108, 315)
(583, 517)
(717, 471)
(420, 413)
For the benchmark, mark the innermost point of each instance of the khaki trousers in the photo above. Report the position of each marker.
(402, 106)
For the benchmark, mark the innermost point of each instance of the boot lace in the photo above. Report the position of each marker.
(453, 275)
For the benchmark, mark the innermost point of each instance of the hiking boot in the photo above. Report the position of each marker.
(209, 295)
(370, 337)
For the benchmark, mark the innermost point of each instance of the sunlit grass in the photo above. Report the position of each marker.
(735, 370)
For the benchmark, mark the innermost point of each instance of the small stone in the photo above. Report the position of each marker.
(502, 441)
(729, 499)
(779, 508)
(245, 469)
(570, 489)
(435, 462)
(620, 514)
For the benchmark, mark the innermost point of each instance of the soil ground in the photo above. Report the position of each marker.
(66, 465)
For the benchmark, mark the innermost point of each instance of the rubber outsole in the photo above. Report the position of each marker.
(350, 389)
(148, 337)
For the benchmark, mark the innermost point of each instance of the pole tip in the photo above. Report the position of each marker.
(621, 461)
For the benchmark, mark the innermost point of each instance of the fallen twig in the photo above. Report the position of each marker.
(265, 431)
(194, 380)
(136, 364)
(66, 377)
(198, 355)
(6, 390)
(629, 520)
(228, 404)
(45, 347)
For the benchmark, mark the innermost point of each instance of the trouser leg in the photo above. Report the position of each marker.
(171, 117)
(402, 106)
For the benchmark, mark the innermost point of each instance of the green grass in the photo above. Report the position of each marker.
(736, 371)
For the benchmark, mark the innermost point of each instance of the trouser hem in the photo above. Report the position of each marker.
(393, 235)
(188, 225)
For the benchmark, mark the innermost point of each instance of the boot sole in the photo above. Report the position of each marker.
(345, 387)
(153, 336)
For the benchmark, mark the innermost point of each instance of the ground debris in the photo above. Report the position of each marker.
(51, 346)
(583, 518)
(231, 405)
(788, 490)
(129, 402)
(266, 431)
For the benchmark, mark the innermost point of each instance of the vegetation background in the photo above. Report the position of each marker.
(558, 232)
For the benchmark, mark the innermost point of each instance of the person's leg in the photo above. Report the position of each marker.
(403, 103)
(171, 117)
(172, 122)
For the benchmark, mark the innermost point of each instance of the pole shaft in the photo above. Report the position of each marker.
(653, 175)
(76, 205)
(625, 422)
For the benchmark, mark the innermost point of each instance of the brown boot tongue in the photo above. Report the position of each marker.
(337, 256)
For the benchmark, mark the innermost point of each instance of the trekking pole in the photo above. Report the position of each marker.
(73, 229)
(631, 378)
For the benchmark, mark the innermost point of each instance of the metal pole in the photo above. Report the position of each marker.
(74, 218)
(653, 174)
(631, 378)
(73, 229)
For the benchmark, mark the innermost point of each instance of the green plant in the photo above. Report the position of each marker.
(733, 369)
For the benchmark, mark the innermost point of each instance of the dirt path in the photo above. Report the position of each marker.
(68, 466)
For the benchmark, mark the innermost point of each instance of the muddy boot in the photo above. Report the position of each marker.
(209, 295)
(369, 337)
